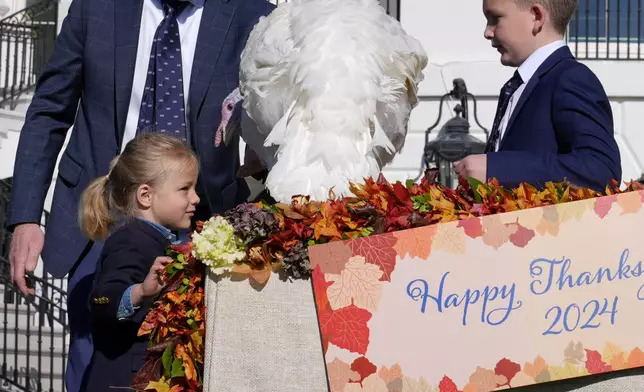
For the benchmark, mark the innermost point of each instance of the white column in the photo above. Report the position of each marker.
(63, 8)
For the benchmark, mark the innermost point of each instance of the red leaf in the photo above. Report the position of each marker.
(480, 210)
(378, 250)
(522, 236)
(184, 249)
(594, 363)
(447, 385)
(402, 194)
(320, 286)
(473, 227)
(364, 368)
(603, 205)
(507, 368)
(398, 219)
(347, 328)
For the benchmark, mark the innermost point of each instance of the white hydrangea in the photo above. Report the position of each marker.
(217, 246)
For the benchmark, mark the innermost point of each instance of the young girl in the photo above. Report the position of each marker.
(149, 191)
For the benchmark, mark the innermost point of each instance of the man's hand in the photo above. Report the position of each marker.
(26, 245)
(474, 166)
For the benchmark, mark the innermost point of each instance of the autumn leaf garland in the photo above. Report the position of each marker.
(253, 239)
(176, 328)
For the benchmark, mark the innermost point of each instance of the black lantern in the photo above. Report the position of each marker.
(453, 141)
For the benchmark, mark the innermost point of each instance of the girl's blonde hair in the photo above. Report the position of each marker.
(147, 159)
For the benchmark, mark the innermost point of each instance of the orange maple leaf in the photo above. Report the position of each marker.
(325, 227)
(630, 202)
(189, 367)
(146, 328)
(636, 358)
(415, 243)
(175, 297)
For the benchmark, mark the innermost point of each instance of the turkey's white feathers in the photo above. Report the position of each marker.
(330, 84)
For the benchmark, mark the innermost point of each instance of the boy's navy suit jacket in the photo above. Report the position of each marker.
(561, 128)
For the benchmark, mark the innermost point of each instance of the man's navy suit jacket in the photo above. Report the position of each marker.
(88, 81)
(561, 128)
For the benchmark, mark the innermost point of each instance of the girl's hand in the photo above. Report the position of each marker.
(153, 283)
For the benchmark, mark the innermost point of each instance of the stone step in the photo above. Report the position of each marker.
(41, 350)
(37, 315)
(32, 380)
(47, 343)
(31, 321)
(19, 104)
(42, 368)
(36, 361)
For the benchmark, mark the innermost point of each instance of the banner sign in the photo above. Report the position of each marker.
(487, 303)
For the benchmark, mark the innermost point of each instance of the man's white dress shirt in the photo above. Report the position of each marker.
(189, 21)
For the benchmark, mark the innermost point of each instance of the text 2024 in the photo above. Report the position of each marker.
(573, 316)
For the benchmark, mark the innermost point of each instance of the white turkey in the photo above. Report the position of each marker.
(329, 86)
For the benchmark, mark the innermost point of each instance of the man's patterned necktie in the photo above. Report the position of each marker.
(162, 104)
(506, 94)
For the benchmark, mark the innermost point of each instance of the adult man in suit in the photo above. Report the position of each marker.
(120, 67)
(553, 121)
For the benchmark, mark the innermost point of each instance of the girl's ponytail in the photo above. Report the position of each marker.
(94, 213)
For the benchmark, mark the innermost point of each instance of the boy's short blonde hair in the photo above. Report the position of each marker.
(561, 11)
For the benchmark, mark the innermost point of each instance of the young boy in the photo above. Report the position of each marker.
(553, 120)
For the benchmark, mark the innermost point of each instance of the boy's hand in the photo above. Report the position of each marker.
(474, 166)
(153, 283)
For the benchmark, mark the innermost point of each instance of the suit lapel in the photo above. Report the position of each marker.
(127, 22)
(215, 23)
(532, 83)
(556, 57)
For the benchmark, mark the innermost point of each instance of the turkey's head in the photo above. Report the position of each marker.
(229, 125)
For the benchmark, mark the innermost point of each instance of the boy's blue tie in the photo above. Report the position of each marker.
(162, 104)
(506, 93)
